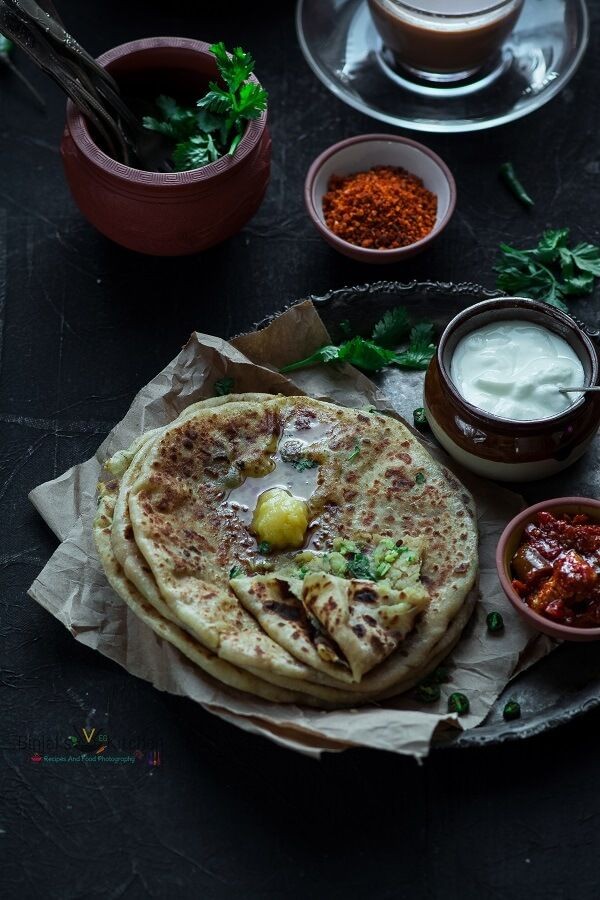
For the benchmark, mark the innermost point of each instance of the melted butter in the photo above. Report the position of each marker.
(514, 369)
(243, 498)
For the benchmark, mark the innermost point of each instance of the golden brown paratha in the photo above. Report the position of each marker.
(368, 478)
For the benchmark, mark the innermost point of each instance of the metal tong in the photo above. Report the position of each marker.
(37, 29)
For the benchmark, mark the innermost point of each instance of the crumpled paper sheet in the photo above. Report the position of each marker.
(72, 585)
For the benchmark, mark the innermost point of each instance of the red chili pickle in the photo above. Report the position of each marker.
(556, 569)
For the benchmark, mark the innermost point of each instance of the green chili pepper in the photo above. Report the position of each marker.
(428, 693)
(495, 622)
(419, 417)
(458, 703)
(509, 176)
(512, 710)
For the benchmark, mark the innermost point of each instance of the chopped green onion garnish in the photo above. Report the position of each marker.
(236, 572)
(355, 452)
(382, 569)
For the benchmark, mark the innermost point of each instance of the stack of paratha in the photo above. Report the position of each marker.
(291, 548)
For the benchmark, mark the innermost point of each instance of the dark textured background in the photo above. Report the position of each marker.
(83, 324)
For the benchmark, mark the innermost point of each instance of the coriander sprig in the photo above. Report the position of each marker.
(551, 271)
(216, 126)
(373, 354)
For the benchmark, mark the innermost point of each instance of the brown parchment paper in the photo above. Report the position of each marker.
(72, 585)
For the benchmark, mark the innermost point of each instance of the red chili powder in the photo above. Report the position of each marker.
(381, 209)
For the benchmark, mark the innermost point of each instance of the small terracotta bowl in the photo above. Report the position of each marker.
(507, 545)
(170, 214)
(507, 449)
(359, 154)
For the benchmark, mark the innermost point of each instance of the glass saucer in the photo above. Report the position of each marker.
(343, 48)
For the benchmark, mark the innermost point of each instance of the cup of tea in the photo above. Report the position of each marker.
(444, 40)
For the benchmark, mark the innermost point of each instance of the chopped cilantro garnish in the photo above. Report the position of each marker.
(359, 566)
(302, 571)
(236, 572)
(303, 463)
(420, 478)
(223, 387)
(355, 452)
(264, 547)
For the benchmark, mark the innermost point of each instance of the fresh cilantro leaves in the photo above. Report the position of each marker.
(394, 326)
(303, 463)
(236, 572)
(359, 566)
(374, 354)
(217, 125)
(420, 348)
(551, 271)
(264, 548)
(198, 151)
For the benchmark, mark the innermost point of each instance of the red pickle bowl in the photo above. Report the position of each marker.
(172, 214)
(507, 546)
(359, 154)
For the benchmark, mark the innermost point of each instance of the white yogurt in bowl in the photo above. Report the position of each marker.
(514, 369)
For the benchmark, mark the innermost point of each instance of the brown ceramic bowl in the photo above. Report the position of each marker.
(508, 544)
(506, 449)
(165, 214)
(358, 154)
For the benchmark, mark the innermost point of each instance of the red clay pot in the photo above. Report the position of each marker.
(165, 214)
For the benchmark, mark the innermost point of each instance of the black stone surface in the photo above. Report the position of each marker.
(83, 325)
